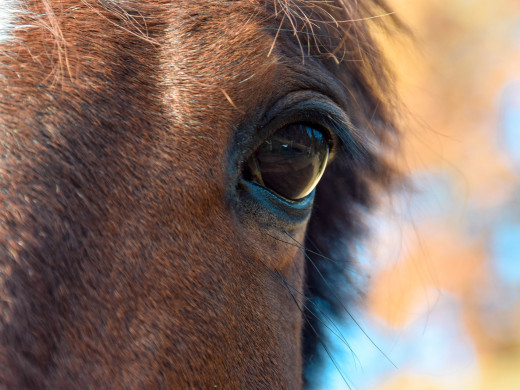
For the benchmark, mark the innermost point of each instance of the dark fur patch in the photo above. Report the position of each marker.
(341, 36)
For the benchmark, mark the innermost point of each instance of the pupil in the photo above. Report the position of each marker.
(292, 161)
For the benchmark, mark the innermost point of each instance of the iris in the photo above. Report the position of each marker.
(291, 162)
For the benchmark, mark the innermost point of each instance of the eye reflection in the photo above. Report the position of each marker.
(291, 162)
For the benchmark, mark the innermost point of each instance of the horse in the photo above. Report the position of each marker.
(182, 186)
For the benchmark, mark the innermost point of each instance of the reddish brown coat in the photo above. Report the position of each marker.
(123, 260)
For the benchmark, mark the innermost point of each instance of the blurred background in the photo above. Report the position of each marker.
(443, 296)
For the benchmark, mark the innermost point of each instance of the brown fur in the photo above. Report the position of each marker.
(123, 261)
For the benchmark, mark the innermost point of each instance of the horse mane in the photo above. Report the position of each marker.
(341, 35)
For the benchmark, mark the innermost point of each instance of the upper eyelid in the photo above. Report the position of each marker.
(300, 106)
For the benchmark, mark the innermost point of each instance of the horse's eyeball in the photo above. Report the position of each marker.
(290, 162)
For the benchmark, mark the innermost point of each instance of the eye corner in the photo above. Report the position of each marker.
(333, 140)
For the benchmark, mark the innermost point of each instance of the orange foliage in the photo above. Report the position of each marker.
(468, 51)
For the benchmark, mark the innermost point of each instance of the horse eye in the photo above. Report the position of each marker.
(290, 162)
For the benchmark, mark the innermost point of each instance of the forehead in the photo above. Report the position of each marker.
(243, 50)
(227, 40)
(208, 57)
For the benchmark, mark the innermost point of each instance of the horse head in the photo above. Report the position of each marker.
(181, 182)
